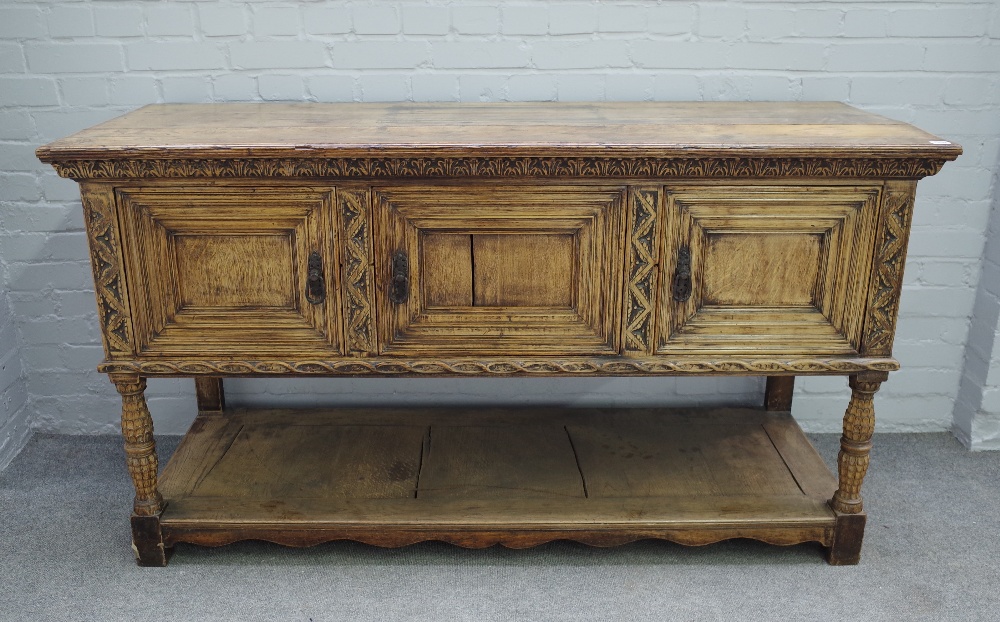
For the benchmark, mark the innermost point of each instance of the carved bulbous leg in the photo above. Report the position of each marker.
(852, 462)
(143, 466)
(852, 465)
(140, 449)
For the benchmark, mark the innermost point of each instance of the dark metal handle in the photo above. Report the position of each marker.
(682, 275)
(399, 288)
(315, 288)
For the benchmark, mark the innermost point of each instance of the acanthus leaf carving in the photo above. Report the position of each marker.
(501, 166)
(887, 277)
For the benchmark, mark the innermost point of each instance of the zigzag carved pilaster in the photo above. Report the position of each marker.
(106, 261)
(358, 279)
(887, 278)
(642, 265)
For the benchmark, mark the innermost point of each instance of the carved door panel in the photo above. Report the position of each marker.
(225, 271)
(765, 270)
(489, 269)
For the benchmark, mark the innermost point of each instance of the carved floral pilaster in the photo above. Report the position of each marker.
(887, 277)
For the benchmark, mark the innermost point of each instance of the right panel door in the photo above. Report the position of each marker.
(765, 270)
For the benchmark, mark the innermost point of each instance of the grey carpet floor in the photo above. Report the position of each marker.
(932, 552)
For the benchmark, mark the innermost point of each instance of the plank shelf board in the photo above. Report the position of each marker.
(473, 477)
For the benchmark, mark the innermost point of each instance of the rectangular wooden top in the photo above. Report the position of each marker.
(303, 130)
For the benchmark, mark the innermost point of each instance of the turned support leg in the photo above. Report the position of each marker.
(859, 425)
(852, 464)
(143, 465)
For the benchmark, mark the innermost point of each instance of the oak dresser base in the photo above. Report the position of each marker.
(581, 240)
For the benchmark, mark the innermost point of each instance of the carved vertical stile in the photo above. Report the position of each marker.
(140, 448)
(890, 257)
(641, 263)
(106, 261)
(856, 443)
(354, 206)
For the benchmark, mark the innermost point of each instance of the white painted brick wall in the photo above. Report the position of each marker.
(65, 65)
(14, 412)
(977, 406)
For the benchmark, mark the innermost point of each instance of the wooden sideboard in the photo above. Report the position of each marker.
(631, 239)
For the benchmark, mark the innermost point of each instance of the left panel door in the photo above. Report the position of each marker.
(225, 270)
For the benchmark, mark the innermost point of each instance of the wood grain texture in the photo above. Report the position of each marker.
(802, 459)
(281, 461)
(773, 270)
(446, 261)
(499, 462)
(213, 271)
(525, 270)
(642, 459)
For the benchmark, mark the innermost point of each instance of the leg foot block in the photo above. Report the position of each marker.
(147, 541)
(847, 537)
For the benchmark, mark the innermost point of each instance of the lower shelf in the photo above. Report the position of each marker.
(475, 478)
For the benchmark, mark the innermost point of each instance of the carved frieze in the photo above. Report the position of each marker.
(504, 367)
(501, 166)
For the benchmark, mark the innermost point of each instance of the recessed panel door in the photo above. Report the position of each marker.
(488, 269)
(235, 271)
(765, 270)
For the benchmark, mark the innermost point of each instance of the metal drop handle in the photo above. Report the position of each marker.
(315, 287)
(682, 275)
(399, 287)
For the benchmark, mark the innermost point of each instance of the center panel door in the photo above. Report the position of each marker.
(489, 269)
